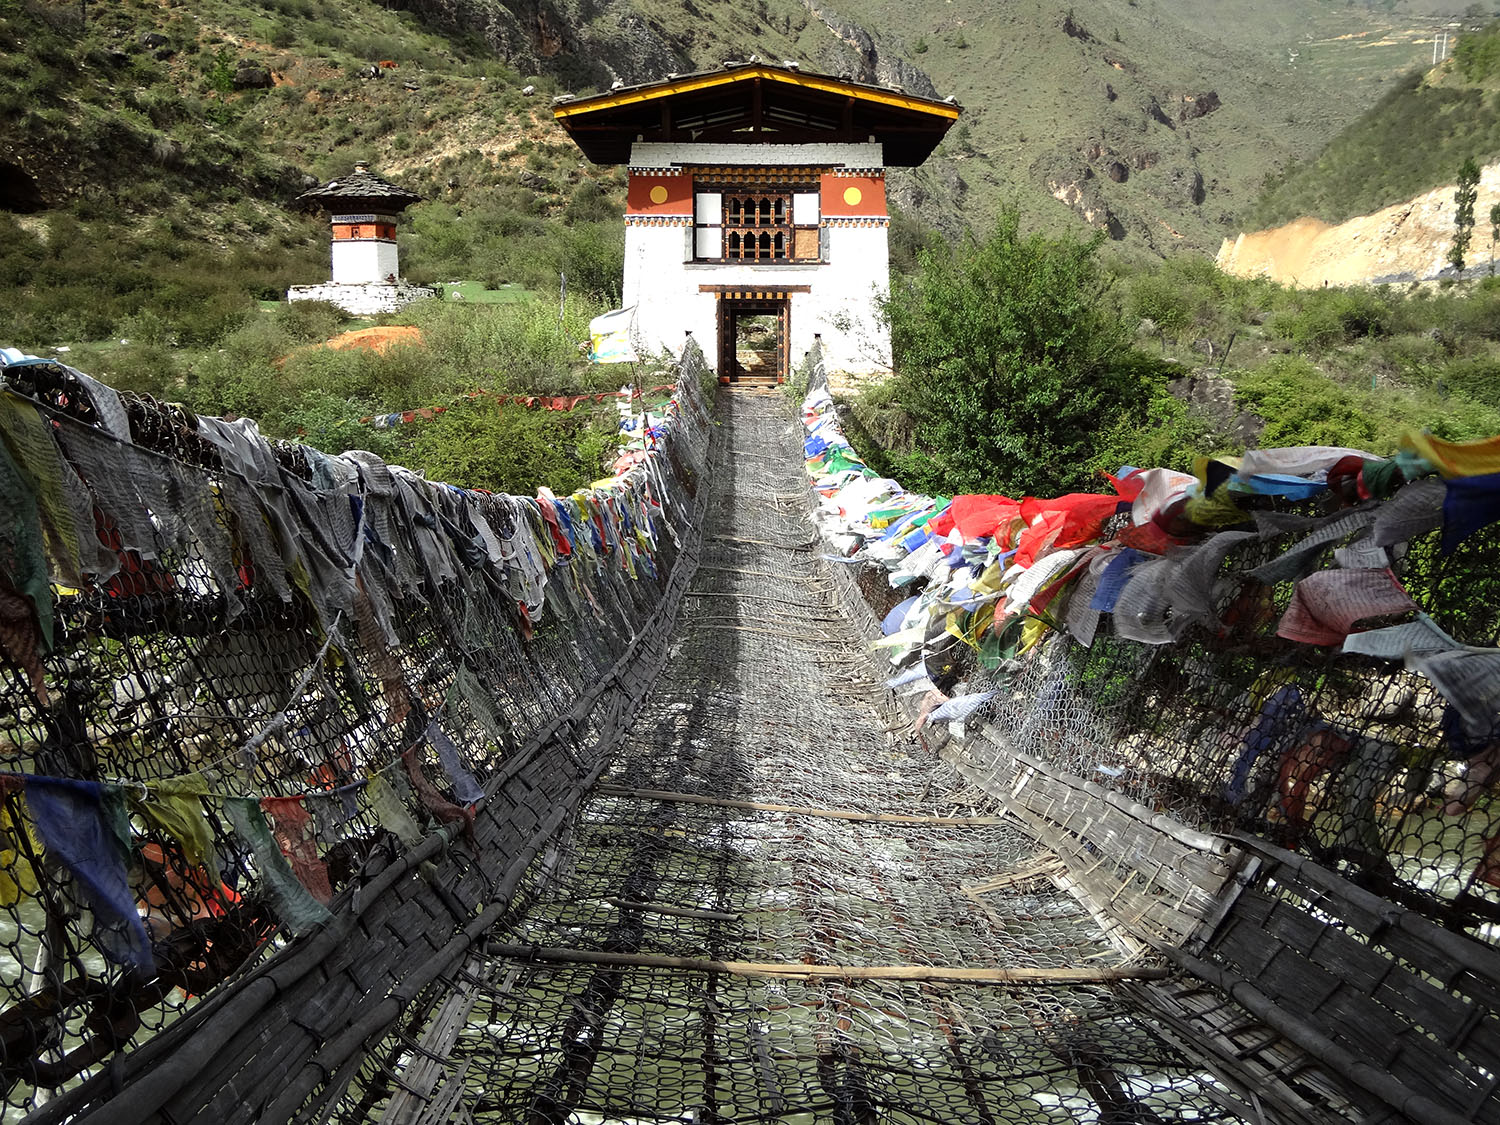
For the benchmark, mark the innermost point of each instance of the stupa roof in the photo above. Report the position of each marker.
(360, 187)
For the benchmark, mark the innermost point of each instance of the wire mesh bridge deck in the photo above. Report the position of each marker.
(410, 835)
(767, 700)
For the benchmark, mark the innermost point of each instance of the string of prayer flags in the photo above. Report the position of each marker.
(1469, 504)
(25, 590)
(17, 875)
(1469, 679)
(1455, 459)
(1415, 510)
(442, 808)
(465, 788)
(174, 806)
(1326, 606)
(390, 812)
(977, 561)
(1396, 642)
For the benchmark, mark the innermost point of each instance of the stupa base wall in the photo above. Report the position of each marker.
(363, 300)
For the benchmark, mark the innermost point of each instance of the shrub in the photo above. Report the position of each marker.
(1477, 56)
(1476, 378)
(483, 444)
(589, 204)
(1302, 406)
(1010, 354)
(1157, 298)
(309, 321)
(1322, 318)
(593, 257)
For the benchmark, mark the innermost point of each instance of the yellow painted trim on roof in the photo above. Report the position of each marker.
(739, 74)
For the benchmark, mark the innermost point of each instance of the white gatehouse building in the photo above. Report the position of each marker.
(756, 214)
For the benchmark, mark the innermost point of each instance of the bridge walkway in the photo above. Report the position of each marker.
(595, 1004)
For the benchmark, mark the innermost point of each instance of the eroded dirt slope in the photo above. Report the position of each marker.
(1405, 242)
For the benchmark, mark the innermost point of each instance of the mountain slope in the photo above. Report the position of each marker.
(1412, 140)
(1152, 122)
(149, 157)
(1407, 241)
(1155, 122)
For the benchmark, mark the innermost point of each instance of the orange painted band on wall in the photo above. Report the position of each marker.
(659, 195)
(364, 230)
(847, 197)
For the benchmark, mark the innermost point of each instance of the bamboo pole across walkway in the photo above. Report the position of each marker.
(797, 969)
(760, 806)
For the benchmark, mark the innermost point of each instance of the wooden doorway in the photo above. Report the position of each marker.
(753, 335)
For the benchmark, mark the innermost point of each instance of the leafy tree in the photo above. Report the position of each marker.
(220, 73)
(1494, 234)
(593, 257)
(1463, 214)
(481, 444)
(1014, 363)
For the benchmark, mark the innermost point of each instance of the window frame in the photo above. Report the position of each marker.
(769, 189)
(761, 217)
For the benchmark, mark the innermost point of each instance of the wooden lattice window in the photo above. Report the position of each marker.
(757, 226)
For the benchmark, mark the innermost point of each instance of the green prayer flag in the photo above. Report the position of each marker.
(293, 903)
(174, 806)
(390, 812)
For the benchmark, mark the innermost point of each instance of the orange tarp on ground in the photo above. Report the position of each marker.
(377, 340)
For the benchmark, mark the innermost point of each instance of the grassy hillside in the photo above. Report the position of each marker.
(119, 115)
(1094, 108)
(149, 156)
(1411, 141)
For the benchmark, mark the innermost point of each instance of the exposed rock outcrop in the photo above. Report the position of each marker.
(1087, 202)
(1154, 111)
(1076, 30)
(1405, 242)
(584, 43)
(936, 191)
(19, 193)
(252, 76)
(1185, 183)
(1211, 396)
(859, 54)
(1194, 106)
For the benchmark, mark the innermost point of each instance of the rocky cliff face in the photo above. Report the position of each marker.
(585, 43)
(589, 44)
(854, 51)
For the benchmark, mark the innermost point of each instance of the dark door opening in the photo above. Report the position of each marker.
(753, 341)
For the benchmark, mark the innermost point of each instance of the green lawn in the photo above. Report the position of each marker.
(476, 292)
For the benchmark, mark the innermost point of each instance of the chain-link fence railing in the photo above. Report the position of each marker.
(278, 721)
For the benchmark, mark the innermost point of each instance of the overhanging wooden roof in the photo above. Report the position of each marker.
(756, 104)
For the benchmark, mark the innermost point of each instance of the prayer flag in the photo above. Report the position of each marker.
(609, 337)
